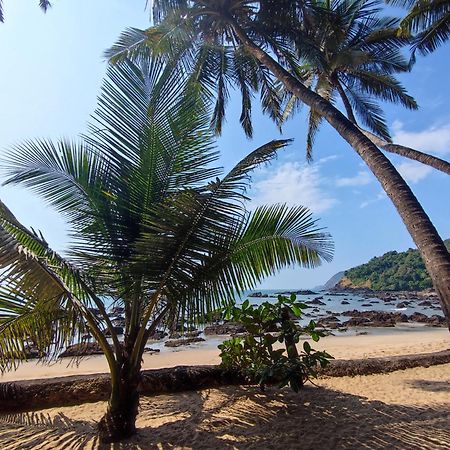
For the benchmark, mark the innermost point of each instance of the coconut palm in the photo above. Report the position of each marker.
(360, 53)
(44, 5)
(266, 35)
(155, 230)
(428, 21)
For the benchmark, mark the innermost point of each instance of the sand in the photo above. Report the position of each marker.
(379, 342)
(407, 409)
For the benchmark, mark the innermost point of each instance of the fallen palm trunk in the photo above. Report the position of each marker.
(64, 391)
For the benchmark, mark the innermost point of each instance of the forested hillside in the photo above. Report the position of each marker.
(391, 272)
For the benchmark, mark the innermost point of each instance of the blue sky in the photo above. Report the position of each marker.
(51, 72)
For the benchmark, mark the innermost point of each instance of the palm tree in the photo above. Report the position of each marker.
(360, 53)
(223, 43)
(428, 21)
(44, 5)
(154, 228)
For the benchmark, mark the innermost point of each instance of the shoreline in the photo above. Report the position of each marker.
(378, 342)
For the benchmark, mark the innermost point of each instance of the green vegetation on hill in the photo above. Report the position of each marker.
(391, 272)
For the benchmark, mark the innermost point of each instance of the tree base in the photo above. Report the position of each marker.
(116, 426)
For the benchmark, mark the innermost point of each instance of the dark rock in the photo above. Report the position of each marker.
(189, 334)
(366, 304)
(181, 342)
(402, 305)
(356, 321)
(151, 350)
(85, 349)
(118, 322)
(157, 335)
(305, 292)
(437, 321)
(316, 301)
(433, 321)
(258, 295)
(345, 302)
(299, 292)
(374, 318)
(418, 317)
(425, 303)
(226, 328)
(117, 331)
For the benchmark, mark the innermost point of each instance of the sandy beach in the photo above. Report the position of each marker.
(378, 342)
(408, 409)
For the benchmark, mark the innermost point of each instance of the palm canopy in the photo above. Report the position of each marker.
(428, 21)
(344, 48)
(359, 56)
(154, 226)
(198, 36)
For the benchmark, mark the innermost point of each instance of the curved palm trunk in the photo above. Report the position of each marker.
(432, 248)
(407, 152)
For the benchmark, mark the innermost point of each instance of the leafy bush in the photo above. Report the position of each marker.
(255, 354)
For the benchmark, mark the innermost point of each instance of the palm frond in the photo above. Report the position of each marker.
(369, 113)
(272, 238)
(381, 86)
(43, 302)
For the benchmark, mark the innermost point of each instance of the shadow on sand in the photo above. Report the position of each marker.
(238, 417)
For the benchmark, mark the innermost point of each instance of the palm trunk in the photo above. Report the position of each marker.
(407, 152)
(119, 421)
(432, 248)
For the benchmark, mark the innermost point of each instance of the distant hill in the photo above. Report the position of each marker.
(333, 281)
(394, 271)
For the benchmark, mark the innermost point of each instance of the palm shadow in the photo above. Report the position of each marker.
(245, 418)
(431, 386)
(33, 430)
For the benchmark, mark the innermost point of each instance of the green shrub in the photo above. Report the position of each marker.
(255, 355)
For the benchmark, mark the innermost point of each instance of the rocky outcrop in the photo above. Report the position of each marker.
(157, 335)
(389, 319)
(299, 292)
(85, 349)
(316, 301)
(225, 328)
(258, 295)
(189, 334)
(182, 342)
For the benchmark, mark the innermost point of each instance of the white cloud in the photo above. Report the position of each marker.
(326, 159)
(381, 196)
(362, 178)
(413, 171)
(293, 184)
(434, 139)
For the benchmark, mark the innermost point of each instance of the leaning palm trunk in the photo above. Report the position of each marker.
(407, 152)
(432, 248)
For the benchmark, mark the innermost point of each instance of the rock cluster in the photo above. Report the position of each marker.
(181, 342)
(225, 328)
